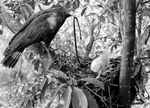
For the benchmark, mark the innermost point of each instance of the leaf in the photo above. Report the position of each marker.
(9, 5)
(10, 21)
(96, 25)
(76, 4)
(48, 2)
(101, 18)
(114, 46)
(75, 100)
(87, 1)
(37, 7)
(40, 7)
(144, 74)
(58, 74)
(140, 93)
(46, 60)
(146, 105)
(92, 14)
(119, 35)
(94, 81)
(142, 79)
(44, 85)
(36, 63)
(110, 2)
(137, 3)
(66, 98)
(2, 1)
(29, 7)
(54, 95)
(91, 100)
(137, 69)
(68, 4)
(145, 35)
(83, 11)
(99, 5)
(146, 12)
(1, 32)
(148, 52)
(79, 99)
(26, 101)
(27, 10)
(5, 1)
(1, 20)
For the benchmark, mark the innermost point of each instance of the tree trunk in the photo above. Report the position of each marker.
(128, 52)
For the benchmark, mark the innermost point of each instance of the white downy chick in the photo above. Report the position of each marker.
(100, 64)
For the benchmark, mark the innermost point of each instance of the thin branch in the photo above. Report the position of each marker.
(75, 39)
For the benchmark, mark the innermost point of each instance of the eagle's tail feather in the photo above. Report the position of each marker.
(11, 59)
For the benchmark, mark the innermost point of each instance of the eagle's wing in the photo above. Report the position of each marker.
(37, 30)
(29, 21)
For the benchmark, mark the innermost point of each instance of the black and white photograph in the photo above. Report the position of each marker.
(74, 53)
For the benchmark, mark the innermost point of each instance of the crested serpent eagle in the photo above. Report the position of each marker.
(40, 27)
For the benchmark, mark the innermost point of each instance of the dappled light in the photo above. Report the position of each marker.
(74, 54)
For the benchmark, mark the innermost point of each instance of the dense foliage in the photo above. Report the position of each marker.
(61, 81)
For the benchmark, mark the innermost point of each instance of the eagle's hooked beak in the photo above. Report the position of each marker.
(71, 12)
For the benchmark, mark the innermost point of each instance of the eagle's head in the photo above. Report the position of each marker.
(63, 10)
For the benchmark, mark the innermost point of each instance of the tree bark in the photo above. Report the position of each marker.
(129, 7)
